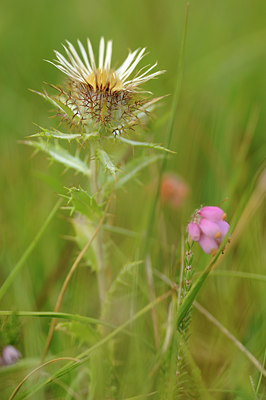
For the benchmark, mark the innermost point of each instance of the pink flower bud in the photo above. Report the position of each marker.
(208, 244)
(193, 231)
(10, 355)
(210, 228)
(212, 213)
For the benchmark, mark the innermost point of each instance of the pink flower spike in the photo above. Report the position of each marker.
(193, 231)
(212, 213)
(210, 228)
(208, 244)
(224, 228)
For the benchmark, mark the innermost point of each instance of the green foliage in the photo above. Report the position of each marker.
(120, 288)
(80, 201)
(84, 229)
(106, 161)
(133, 167)
(61, 155)
(10, 331)
(62, 107)
(144, 144)
(83, 334)
(56, 134)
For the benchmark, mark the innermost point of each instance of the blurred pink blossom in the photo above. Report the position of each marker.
(208, 227)
(174, 190)
(10, 355)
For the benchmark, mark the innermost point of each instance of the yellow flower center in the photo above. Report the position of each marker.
(105, 80)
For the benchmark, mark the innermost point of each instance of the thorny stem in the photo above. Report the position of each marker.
(99, 241)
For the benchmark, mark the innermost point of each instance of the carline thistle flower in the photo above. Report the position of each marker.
(103, 95)
(208, 227)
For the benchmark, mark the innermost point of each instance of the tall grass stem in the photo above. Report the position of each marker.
(174, 105)
(5, 286)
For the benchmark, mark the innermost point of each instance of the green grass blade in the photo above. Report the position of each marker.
(84, 357)
(58, 315)
(169, 138)
(5, 286)
(240, 274)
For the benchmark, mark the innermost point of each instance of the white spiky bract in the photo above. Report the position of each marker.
(101, 93)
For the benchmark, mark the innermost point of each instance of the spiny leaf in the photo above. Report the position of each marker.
(58, 104)
(145, 144)
(106, 161)
(61, 155)
(55, 134)
(83, 203)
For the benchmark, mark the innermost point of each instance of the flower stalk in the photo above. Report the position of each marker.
(101, 278)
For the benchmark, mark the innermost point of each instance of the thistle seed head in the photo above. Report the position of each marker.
(101, 95)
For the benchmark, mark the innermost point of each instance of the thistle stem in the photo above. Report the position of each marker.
(99, 240)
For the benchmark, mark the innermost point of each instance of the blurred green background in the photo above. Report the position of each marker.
(218, 136)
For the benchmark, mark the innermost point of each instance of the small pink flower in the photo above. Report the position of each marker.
(10, 355)
(193, 231)
(208, 227)
(212, 213)
(208, 244)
